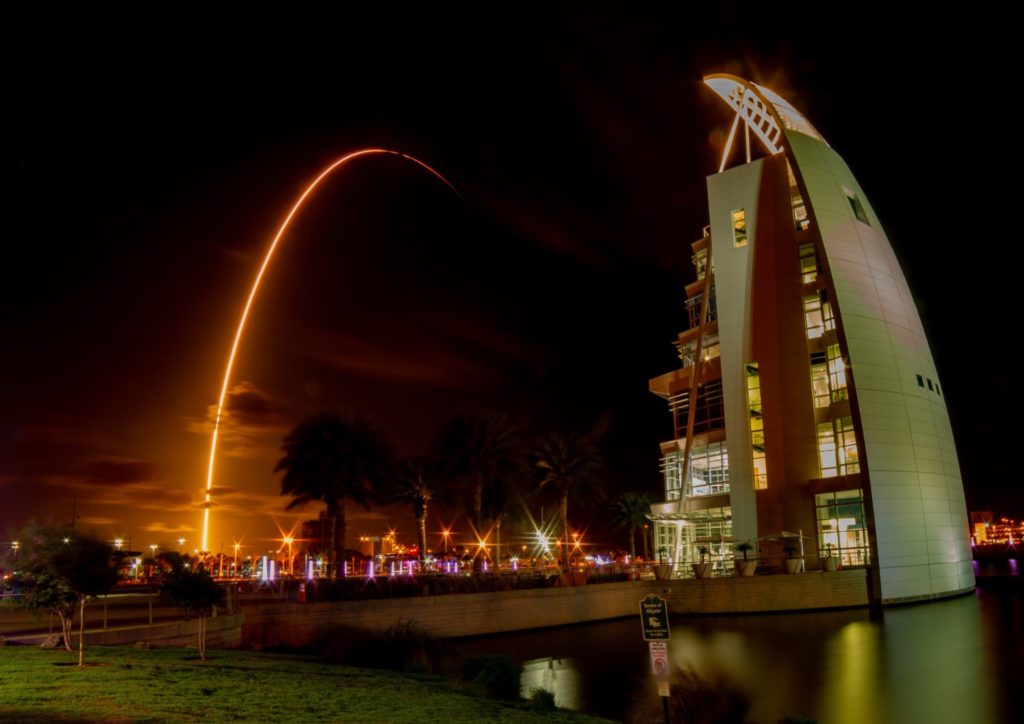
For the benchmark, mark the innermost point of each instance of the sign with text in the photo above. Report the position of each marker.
(659, 658)
(654, 618)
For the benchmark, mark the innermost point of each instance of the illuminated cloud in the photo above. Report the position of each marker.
(158, 527)
(253, 422)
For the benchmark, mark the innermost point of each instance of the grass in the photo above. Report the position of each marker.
(161, 685)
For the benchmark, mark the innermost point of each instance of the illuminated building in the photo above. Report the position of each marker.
(808, 401)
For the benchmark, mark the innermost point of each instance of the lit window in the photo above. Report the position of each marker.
(739, 228)
(842, 528)
(812, 314)
(708, 470)
(808, 263)
(827, 450)
(819, 380)
(837, 448)
(836, 373)
(756, 427)
(856, 206)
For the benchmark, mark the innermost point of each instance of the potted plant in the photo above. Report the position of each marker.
(792, 562)
(662, 570)
(829, 562)
(745, 567)
(702, 569)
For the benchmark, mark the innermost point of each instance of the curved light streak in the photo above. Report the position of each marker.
(252, 296)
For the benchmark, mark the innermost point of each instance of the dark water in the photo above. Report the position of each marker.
(960, 660)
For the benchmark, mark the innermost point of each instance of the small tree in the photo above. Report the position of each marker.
(744, 548)
(57, 570)
(196, 592)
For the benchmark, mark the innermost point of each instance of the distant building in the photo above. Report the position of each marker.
(807, 401)
(316, 535)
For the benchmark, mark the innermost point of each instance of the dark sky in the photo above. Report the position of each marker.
(148, 157)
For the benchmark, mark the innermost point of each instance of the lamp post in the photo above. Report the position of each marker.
(288, 540)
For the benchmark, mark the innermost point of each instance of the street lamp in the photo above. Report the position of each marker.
(288, 540)
(117, 543)
(181, 542)
(152, 549)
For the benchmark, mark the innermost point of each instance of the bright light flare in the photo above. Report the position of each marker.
(236, 342)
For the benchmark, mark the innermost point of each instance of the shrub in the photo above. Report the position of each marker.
(542, 700)
(406, 646)
(496, 675)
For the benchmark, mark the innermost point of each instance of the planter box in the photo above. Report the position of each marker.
(701, 570)
(830, 564)
(793, 565)
(662, 572)
(746, 568)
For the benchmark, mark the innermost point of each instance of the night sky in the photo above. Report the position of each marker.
(148, 158)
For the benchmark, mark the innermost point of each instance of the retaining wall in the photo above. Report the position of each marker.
(476, 614)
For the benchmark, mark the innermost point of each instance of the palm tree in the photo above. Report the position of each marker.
(631, 511)
(570, 465)
(333, 458)
(420, 482)
(502, 503)
(479, 451)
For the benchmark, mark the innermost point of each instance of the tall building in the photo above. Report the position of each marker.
(808, 411)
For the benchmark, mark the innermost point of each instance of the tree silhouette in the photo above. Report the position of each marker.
(570, 465)
(194, 591)
(631, 511)
(58, 569)
(332, 459)
(481, 450)
(420, 481)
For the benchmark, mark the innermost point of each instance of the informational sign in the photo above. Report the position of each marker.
(654, 618)
(659, 658)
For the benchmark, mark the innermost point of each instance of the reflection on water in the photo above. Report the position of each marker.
(952, 661)
(559, 676)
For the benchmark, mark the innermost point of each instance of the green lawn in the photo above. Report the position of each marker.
(128, 684)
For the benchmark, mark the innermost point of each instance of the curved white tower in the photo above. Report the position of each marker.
(818, 408)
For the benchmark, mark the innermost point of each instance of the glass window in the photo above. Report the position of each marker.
(709, 470)
(819, 380)
(739, 228)
(842, 530)
(836, 373)
(756, 427)
(808, 263)
(856, 206)
(837, 448)
(671, 469)
(812, 315)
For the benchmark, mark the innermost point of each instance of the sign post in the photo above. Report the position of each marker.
(654, 621)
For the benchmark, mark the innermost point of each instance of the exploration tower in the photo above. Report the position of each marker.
(808, 412)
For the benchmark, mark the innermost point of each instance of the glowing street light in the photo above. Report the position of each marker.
(288, 540)
(181, 542)
(152, 548)
(118, 542)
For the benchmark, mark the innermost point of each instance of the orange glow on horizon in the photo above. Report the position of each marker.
(252, 296)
